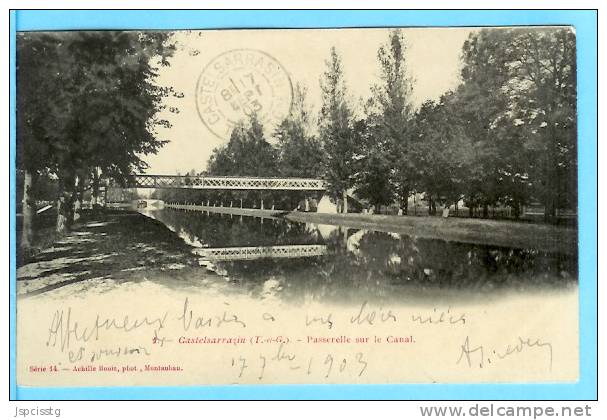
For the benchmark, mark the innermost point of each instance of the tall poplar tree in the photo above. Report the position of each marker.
(389, 114)
(336, 130)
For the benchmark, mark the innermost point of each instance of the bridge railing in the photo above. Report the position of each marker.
(227, 183)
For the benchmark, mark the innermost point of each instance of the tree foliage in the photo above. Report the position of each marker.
(247, 153)
(336, 133)
(504, 136)
(88, 105)
(517, 106)
(300, 153)
(388, 123)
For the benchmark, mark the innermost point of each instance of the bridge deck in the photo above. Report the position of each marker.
(227, 183)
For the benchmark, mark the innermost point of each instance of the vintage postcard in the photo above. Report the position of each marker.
(297, 206)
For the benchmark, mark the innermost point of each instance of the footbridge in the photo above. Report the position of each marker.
(203, 182)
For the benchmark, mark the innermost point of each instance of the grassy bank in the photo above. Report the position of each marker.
(487, 232)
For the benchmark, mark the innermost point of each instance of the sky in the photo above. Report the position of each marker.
(433, 57)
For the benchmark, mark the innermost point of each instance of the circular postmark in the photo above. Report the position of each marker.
(239, 83)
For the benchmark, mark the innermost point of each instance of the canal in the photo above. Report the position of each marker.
(346, 264)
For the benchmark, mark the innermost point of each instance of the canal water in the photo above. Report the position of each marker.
(356, 264)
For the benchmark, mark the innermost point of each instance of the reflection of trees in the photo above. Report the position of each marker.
(381, 262)
(371, 265)
(445, 264)
(222, 230)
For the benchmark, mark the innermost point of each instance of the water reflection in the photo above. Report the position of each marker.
(363, 264)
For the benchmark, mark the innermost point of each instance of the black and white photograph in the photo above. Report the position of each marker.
(297, 206)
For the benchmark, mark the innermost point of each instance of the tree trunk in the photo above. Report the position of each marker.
(551, 192)
(26, 227)
(405, 204)
(65, 206)
(345, 198)
(95, 191)
(550, 209)
(485, 210)
(78, 195)
(550, 165)
(432, 206)
(516, 208)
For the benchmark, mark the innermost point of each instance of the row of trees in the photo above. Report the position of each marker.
(87, 108)
(505, 136)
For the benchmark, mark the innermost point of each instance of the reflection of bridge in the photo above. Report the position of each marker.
(257, 252)
(226, 183)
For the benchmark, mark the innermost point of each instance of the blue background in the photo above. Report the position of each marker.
(585, 23)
